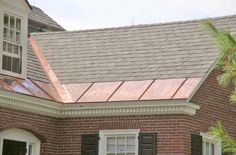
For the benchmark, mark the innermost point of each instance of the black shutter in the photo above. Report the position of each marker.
(196, 145)
(90, 144)
(147, 143)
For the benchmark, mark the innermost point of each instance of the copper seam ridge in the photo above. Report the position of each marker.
(146, 89)
(60, 90)
(115, 90)
(42, 89)
(84, 92)
(25, 87)
(179, 88)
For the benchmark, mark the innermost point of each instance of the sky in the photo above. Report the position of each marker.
(90, 14)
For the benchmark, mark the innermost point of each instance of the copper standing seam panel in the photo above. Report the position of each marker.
(76, 90)
(163, 89)
(4, 86)
(19, 89)
(48, 89)
(188, 87)
(130, 90)
(36, 91)
(99, 92)
(62, 93)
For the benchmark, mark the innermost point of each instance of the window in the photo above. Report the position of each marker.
(118, 142)
(18, 141)
(12, 44)
(210, 145)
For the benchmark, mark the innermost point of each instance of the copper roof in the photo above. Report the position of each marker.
(167, 89)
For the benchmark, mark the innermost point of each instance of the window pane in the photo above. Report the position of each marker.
(12, 36)
(12, 22)
(30, 150)
(207, 148)
(6, 63)
(111, 140)
(130, 140)
(18, 24)
(111, 144)
(120, 144)
(111, 148)
(18, 37)
(6, 20)
(212, 149)
(130, 148)
(16, 50)
(6, 34)
(121, 140)
(16, 65)
(9, 48)
(4, 46)
(130, 144)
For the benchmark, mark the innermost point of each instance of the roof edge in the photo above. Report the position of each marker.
(29, 4)
(53, 109)
(140, 25)
(203, 79)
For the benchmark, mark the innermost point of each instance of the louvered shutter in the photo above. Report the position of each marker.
(196, 145)
(147, 143)
(90, 144)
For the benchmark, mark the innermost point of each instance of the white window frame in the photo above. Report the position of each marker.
(103, 134)
(22, 136)
(23, 15)
(212, 140)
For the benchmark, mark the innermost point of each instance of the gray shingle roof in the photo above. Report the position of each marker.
(37, 15)
(157, 51)
(34, 69)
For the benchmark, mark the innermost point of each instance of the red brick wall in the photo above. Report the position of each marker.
(215, 105)
(173, 131)
(46, 126)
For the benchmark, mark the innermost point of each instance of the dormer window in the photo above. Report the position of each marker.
(13, 37)
(12, 44)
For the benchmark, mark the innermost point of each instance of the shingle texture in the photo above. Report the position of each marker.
(157, 51)
(34, 69)
(37, 15)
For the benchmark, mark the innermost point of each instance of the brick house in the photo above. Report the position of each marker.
(135, 90)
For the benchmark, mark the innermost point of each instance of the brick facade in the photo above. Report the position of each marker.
(63, 136)
(41, 126)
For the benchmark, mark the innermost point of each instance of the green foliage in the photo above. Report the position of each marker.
(228, 143)
(227, 63)
(227, 56)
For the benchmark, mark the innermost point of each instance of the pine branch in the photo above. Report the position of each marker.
(228, 144)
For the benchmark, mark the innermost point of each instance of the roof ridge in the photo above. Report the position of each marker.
(138, 25)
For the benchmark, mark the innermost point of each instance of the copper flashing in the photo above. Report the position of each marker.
(99, 92)
(64, 96)
(163, 89)
(130, 90)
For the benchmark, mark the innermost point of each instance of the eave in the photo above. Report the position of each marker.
(49, 108)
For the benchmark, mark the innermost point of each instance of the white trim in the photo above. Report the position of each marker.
(23, 14)
(212, 140)
(55, 109)
(22, 136)
(103, 134)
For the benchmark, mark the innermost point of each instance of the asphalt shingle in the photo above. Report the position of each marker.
(141, 52)
(37, 15)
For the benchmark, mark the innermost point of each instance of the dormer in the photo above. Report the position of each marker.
(13, 37)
